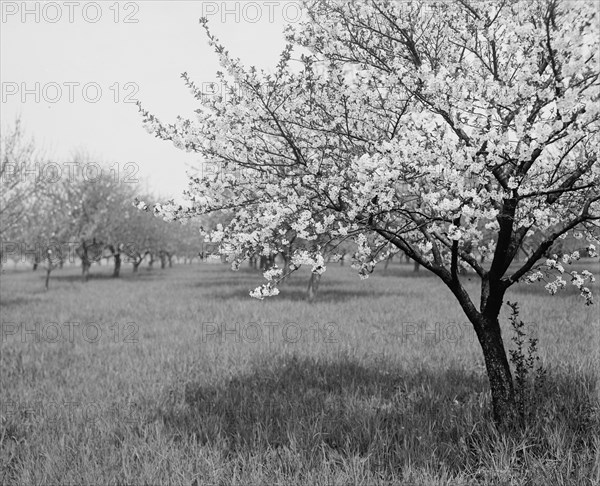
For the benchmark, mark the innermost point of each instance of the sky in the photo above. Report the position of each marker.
(72, 71)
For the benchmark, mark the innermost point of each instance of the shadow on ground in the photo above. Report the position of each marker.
(293, 290)
(343, 408)
(291, 294)
(340, 405)
(143, 274)
(15, 301)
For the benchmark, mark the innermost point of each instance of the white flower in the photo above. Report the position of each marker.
(586, 274)
(534, 277)
(512, 183)
(263, 291)
(551, 287)
(272, 273)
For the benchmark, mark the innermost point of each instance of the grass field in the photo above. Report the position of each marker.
(178, 377)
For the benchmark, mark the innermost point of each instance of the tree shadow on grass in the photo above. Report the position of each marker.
(405, 271)
(16, 301)
(342, 408)
(325, 295)
(128, 277)
(293, 289)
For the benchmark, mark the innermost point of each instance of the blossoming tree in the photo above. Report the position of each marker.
(453, 131)
(20, 177)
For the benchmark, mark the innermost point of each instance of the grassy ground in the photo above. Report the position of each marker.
(178, 377)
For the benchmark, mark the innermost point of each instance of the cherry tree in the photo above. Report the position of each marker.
(89, 205)
(20, 176)
(453, 131)
(45, 228)
(188, 244)
(144, 236)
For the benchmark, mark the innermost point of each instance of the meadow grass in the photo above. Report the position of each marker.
(177, 376)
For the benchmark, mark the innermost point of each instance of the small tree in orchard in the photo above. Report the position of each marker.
(20, 182)
(20, 177)
(93, 205)
(450, 130)
(160, 241)
(45, 228)
(188, 243)
(121, 224)
(144, 235)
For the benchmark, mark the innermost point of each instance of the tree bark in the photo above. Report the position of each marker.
(498, 369)
(47, 284)
(85, 270)
(416, 267)
(136, 264)
(263, 263)
(85, 260)
(286, 256)
(117, 268)
(313, 286)
(387, 262)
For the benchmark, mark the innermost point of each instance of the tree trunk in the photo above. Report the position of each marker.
(170, 258)
(85, 270)
(85, 261)
(47, 284)
(416, 267)
(387, 262)
(263, 263)
(136, 264)
(498, 369)
(117, 269)
(313, 286)
(286, 256)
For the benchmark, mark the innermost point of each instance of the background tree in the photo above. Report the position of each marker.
(45, 228)
(120, 222)
(188, 241)
(413, 124)
(21, 166)
(96, 203)
(21, 173)
(144, 236)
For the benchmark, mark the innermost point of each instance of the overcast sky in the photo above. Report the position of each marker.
(147, 44)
